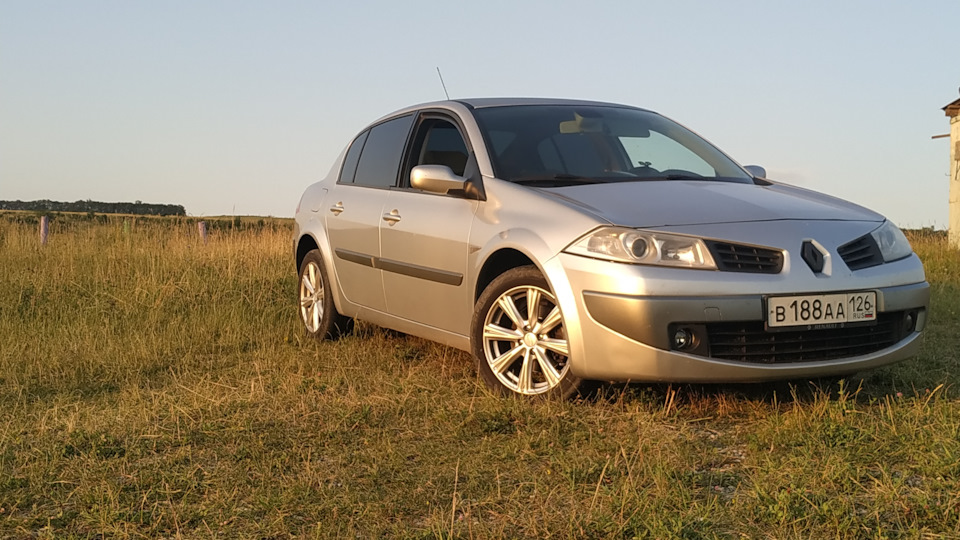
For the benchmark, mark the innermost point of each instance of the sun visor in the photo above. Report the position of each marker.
(595, 124)
(581, 124)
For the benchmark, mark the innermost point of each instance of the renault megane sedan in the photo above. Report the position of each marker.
(560, 241)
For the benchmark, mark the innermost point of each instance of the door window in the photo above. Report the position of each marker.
(380, 158)
(439, 142)
(353, 157)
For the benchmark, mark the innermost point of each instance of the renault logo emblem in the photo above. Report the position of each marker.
(812, 256)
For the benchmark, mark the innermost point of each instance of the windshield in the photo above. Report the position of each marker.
(559, 145)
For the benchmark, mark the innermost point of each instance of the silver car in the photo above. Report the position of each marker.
(561, 241)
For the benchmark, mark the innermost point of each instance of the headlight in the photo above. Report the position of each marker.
(644, 247)
(893, 244)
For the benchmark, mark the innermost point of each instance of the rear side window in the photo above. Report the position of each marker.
(353, 156)
(380, 158)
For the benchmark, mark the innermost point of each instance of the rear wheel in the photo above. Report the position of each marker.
(518, 337)
(318, 312)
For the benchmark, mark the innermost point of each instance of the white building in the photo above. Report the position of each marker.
(953, 111)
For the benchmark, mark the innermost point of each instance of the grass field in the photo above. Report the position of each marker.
(152, 386)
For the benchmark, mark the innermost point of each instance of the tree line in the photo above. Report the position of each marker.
(135, 208)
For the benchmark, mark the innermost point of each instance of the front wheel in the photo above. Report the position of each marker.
(318, 312)
(518, 337)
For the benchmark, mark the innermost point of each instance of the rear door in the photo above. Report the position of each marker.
(355, 207)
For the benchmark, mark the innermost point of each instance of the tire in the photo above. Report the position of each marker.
(318, 312)
(519, 353)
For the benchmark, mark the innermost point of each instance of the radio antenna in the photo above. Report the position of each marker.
(442, 83)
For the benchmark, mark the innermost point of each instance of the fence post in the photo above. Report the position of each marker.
(202, 229)
(44, 229)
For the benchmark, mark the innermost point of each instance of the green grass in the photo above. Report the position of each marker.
(152, 386)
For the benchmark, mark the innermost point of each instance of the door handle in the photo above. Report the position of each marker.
(392, 217)
(337, 208)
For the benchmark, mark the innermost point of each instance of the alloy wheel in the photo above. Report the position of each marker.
(524, 342)
(311, 297)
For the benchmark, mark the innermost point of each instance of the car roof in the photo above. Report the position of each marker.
(480, 103)
(483, 103)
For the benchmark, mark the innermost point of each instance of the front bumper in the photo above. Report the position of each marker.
(628, 336)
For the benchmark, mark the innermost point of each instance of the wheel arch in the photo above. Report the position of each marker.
(497, 263)
(308, 242)
(522, 247)
(510, 249)
(305, 244)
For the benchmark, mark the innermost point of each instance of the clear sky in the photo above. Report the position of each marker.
(236, 106)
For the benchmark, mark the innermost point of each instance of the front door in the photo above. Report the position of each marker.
(424, 236)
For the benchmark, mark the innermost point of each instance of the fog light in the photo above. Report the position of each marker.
(910, 321)
(683, 339)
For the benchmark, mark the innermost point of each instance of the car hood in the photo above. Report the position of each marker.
(678, 202)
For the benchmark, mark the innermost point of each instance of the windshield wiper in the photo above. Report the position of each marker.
(676, 176)
(557, 180)
(680, 176)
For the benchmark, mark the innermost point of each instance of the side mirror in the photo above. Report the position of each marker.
(436, 179)
(756, 170)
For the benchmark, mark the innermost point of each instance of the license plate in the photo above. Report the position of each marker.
(822, 309)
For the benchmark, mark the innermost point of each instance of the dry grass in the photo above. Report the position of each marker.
(151, 386)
